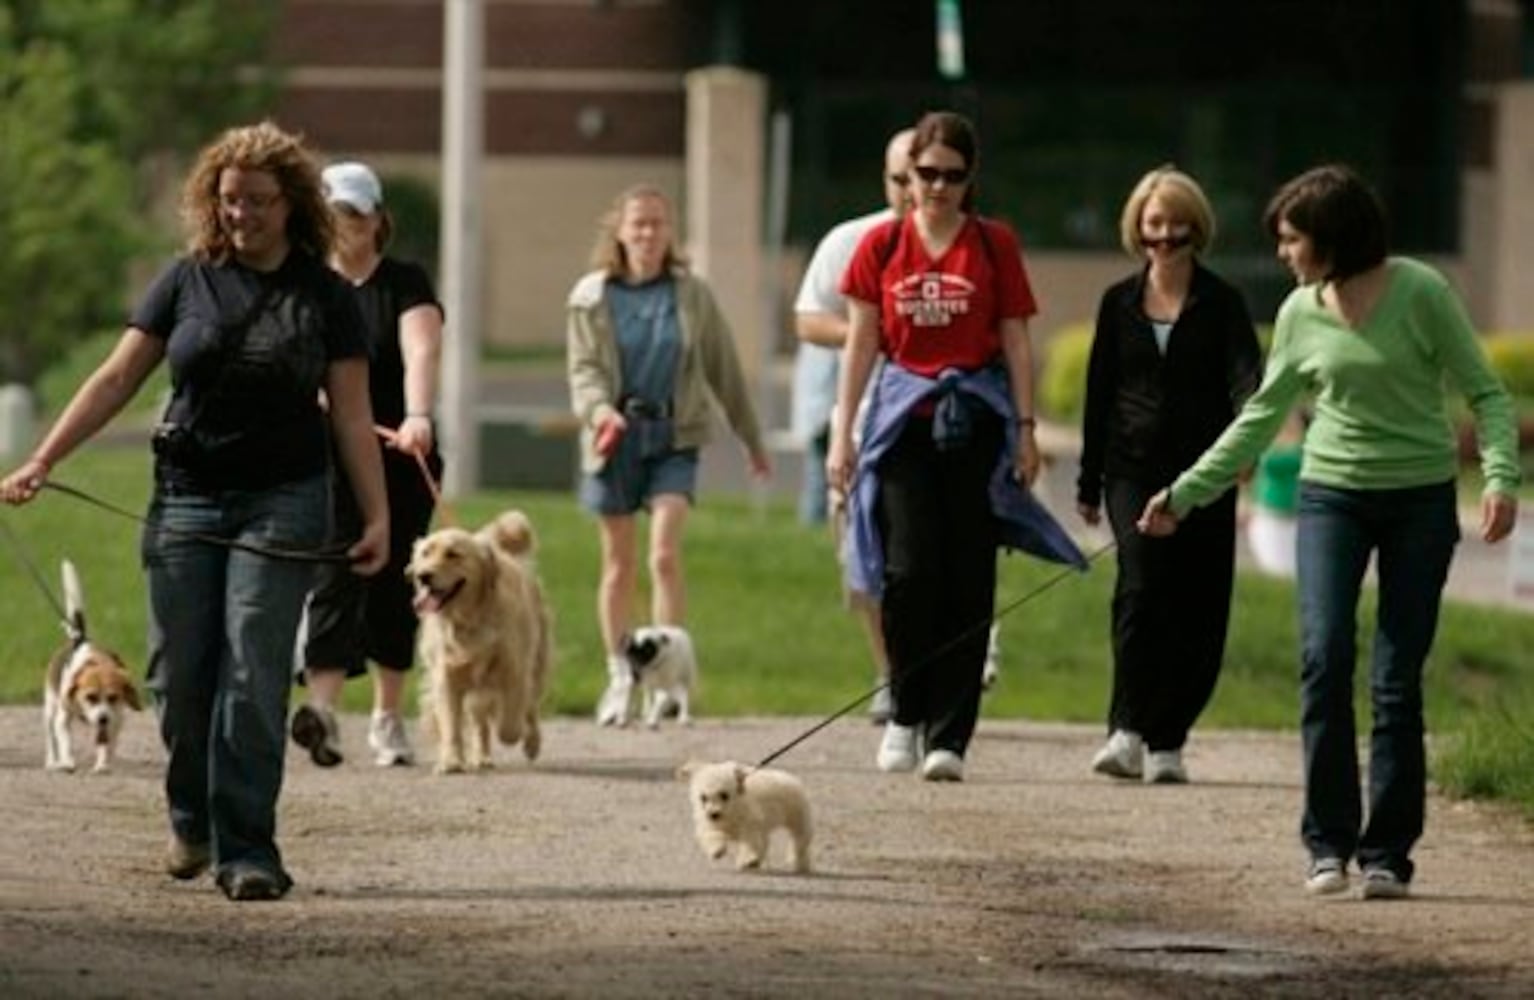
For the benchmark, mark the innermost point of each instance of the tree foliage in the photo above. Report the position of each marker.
(93, 93)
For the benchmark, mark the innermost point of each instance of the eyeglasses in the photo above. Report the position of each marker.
(899, 180)
(249, 202)
(952, 176)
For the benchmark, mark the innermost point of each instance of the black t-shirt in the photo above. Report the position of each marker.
(248, 352)
(394, 288)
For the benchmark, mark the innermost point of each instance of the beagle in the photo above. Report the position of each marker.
(84, 683)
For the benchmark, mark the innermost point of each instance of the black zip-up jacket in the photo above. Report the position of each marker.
(1148, 416)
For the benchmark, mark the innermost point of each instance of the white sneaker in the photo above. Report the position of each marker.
(1123, 756)
(1166, 768)
(616, 706)
(1327, 877)
(992, 660)
(897, 751)
(882, 709)
(386, 736)
(942, 765)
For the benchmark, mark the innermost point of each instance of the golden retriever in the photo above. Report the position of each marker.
(486, 639)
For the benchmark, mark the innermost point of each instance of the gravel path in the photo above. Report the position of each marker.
(579, 878)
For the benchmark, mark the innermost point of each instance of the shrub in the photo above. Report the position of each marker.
(1512, 356)
(1063, 378)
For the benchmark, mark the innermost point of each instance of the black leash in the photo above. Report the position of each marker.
(37, 576)
(334, 554)
(932, 657)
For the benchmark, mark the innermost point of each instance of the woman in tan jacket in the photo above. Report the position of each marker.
(649, 351)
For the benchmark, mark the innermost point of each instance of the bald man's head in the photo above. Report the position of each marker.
(897, 170)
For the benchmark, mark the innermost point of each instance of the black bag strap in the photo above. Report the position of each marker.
(230, 336)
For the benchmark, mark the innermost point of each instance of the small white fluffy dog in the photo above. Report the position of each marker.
(87, 683)
(733, 804)
(665, 668)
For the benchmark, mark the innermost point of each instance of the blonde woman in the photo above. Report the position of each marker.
(650, 354)
(253, 325)
(1173, 358)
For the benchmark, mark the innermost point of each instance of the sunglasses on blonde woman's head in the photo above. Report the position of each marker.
(948, 175)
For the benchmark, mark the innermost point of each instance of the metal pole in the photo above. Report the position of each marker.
(463, 119)
(778, 165)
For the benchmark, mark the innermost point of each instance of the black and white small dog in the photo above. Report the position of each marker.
(665, 669)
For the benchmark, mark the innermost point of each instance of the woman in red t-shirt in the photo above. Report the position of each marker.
(941, 291)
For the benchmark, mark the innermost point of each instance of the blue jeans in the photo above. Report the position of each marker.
(1413, 533)
(222, 625)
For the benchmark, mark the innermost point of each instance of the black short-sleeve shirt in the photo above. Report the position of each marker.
(394, 288)
(248, 352)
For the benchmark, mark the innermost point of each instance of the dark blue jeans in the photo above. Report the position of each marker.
(222, 625)
(1412, 533)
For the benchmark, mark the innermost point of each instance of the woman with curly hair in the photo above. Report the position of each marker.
(253, 325)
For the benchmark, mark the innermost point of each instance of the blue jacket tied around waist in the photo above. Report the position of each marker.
(1023, 523)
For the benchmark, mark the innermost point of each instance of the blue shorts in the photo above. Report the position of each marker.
(643, 466)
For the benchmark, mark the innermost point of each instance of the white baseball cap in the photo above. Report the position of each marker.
(353, 184)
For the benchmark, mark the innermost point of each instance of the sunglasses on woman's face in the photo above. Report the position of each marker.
(951, 176)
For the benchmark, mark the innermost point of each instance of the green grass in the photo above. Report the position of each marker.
(765, 610)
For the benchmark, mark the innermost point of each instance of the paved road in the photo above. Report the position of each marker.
(1479, 574)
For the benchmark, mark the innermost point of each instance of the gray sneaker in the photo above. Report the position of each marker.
(314, 728)
(390, 745)
(1327, 877)
(1382, 883)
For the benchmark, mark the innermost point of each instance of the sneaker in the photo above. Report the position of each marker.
(942, 765)
(186, 861)
(1382, 883)
(247, 883)
(992, 659)
(1327, 877)
(613, 709)
(882, 708)
(314, 728)
(386, 736)
(1123, 756)
(1166, 768)
(897, 751)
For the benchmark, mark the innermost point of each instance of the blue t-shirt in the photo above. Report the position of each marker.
(649, 336)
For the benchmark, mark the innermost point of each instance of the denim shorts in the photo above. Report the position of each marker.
(644, 465)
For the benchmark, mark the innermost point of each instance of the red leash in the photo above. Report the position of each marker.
(432, 486)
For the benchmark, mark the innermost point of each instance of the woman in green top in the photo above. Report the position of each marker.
(1371, 338)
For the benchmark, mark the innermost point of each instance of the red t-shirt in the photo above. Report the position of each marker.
(947, 312)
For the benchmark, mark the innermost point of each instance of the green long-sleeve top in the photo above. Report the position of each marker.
(1379, 416)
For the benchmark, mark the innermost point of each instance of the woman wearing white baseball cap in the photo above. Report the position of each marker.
(352, 621)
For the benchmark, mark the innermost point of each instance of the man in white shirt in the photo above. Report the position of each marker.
(820, 320)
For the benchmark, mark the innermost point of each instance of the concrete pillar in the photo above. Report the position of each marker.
(17, 421)
(726, 123)
(1511, 302)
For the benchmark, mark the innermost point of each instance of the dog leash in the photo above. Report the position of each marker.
(432, 486)
(37, 576)
(331, 554)
(932, 657)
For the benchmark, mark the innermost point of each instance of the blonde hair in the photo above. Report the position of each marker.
(608, 255)
(267, 148)
(1183, 197)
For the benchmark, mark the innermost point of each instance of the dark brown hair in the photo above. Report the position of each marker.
(1340, 213)
(951, 129)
